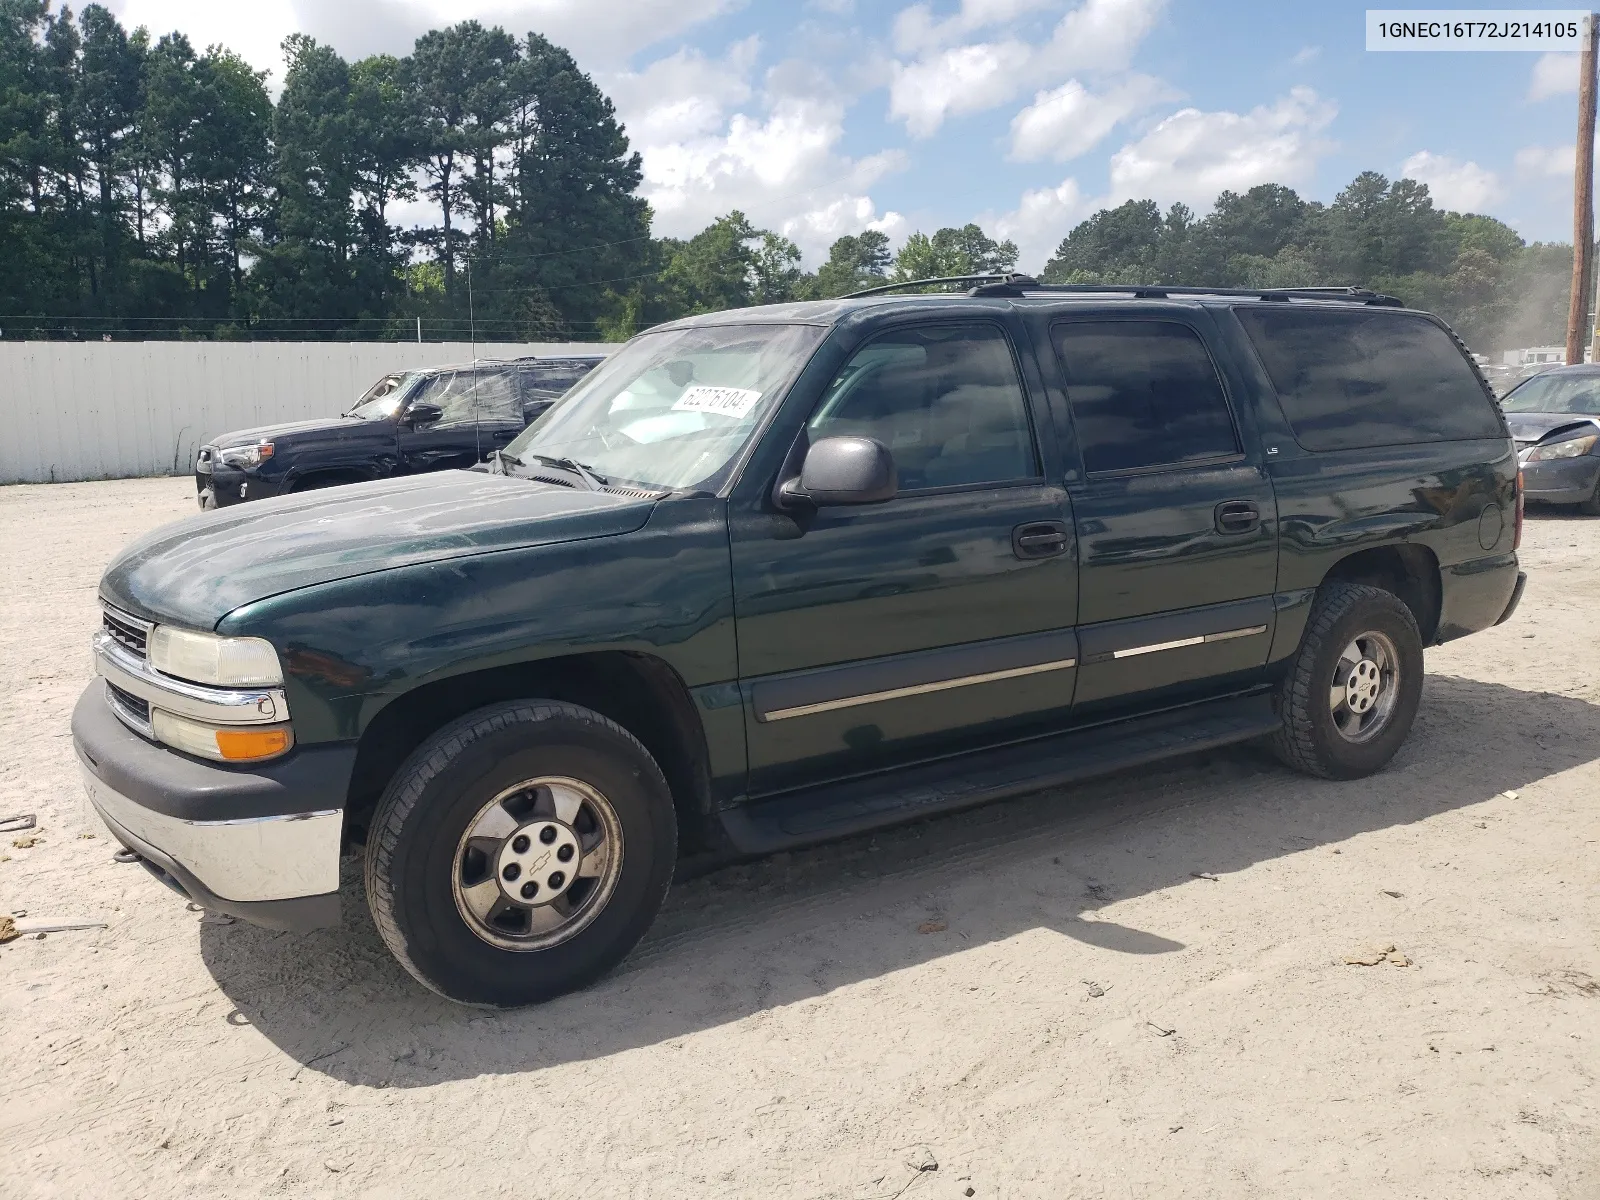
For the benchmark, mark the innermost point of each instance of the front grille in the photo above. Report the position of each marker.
(129, 632)
(134, 706)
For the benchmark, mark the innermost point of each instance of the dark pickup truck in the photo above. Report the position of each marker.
(783, 574)
(409, 422)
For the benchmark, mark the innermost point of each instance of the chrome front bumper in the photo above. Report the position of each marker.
(248, 860)
(261, 841)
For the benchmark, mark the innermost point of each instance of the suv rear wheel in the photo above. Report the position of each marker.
(520, 853)
(1353, 687)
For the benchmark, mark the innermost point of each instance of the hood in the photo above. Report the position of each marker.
(1533, 427)
(196, 571)
(265, 433)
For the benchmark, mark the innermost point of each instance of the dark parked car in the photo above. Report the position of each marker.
(784, 574)
(1555, 419)
(406, 423)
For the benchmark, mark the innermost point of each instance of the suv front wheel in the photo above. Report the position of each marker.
(1353, 686)
(520, 853)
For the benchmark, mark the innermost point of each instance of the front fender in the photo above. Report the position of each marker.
(351, 647)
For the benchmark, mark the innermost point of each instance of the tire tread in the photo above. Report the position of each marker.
(1295, 742)
(411, 780)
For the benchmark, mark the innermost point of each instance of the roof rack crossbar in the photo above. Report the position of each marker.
(1017, 286)
(911, 283)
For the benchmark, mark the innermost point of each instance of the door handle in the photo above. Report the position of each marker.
(1238, 516)
(1039, 539)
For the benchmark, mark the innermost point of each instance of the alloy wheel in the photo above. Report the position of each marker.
(1366, 684)
(537, 863)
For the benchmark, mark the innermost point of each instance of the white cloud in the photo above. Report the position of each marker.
(1546, 160)
(1554, 74)
(683, 95)
(1071, 120)
(1193, 155)
(711, 141)
(254, 31)
(1098, 35)
(1462, 186)
(966, 79)
(916, 29)
(1304, 55)
(1041, 219)
(598, 32)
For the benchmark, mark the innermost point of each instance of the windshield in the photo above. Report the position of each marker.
(1555, 392)
(382, 400)
(671, 409)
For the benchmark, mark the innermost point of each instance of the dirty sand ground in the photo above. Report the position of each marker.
(787, 1031)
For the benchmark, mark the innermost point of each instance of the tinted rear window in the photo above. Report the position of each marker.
(1143, 394)
(1364, 378)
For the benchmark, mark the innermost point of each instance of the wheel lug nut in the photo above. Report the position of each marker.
(520, 843)
(565, 853)
(511, 872)
(556, 879)
(547, 834)
(530, 890)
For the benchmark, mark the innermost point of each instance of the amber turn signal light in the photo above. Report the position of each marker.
(244, 745)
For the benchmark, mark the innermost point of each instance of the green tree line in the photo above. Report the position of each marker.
(151, 189)
(1475, 271)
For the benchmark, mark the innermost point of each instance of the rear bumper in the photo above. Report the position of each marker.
(262, 844)
(1561, 480)
(1477, 594)
(1516, 598)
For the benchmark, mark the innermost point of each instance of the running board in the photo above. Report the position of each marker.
(857, 805)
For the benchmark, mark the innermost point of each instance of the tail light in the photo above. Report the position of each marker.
(1516, 526)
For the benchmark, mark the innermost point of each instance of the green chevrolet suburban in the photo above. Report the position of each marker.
(778, 575)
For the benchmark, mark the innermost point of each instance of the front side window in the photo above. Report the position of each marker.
(1143, 394)
(1577, 394)
(1350, 379)
(382, 400)
(946, 400)
(671, 409)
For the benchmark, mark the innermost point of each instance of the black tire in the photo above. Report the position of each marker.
(1591, 506)
(1309, 739)
(423, 818)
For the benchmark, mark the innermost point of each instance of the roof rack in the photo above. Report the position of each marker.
(911, 283)
(1017, 286)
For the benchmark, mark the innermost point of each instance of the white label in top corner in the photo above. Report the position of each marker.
(724, 401)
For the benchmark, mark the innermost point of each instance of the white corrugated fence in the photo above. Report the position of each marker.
(112, 410)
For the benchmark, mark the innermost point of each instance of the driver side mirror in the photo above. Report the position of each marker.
(423, 413)
(843, 470)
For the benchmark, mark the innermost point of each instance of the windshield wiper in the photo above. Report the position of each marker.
(595, 483)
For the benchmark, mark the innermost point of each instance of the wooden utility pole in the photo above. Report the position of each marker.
(1583, 200)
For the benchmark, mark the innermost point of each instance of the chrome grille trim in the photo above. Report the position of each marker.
(130, 709)
(219, 706)
(131, 632)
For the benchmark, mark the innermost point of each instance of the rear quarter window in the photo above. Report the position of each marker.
(1368, 378)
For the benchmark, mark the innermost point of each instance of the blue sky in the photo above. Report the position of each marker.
(824, 117)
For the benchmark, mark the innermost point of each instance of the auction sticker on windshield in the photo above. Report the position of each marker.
(724, 401)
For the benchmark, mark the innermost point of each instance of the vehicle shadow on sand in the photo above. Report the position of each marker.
(783, 930)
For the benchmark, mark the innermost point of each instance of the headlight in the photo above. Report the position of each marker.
(1574, 448)
(225, 743)
(207, 658)
(247, 456)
